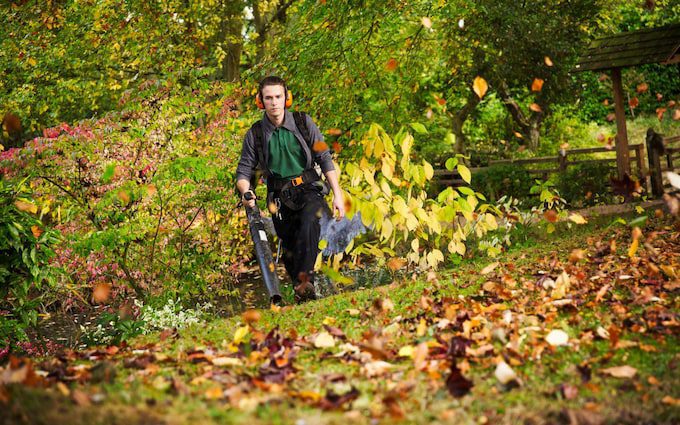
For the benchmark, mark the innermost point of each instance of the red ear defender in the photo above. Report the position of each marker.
(289, 99)
(258, 102)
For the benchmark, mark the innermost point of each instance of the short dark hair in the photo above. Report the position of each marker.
(272, 80)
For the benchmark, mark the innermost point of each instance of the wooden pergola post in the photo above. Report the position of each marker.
(622, 155)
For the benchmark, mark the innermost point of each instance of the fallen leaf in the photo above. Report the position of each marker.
(376, 368)
(576, 255)
(660, 112)
(620, 371)
(420, 356)
(557, 337)
(456, 383)
(550, 215)
(324, 340)
(80, 398)
(504, 373)
(396, 263)
(226, 361)
(406, 351)
(489, 268)
(480, 86)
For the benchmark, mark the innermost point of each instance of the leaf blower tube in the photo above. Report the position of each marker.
(262, 251)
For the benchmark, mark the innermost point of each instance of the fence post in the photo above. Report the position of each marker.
(640, 166)
(562, 160)
(653, 155)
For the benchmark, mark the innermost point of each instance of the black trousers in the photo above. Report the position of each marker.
(299, 232)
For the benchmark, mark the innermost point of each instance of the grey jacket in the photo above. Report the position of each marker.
(248, 161)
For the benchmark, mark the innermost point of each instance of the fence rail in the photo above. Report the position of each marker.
(650, 174)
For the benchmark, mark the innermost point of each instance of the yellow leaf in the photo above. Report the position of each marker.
(406, 351)
(387, 191)
(633, 248)
(387, 229)
(429, 171)
(240, 334)
(226, 361)
(548, 61)
(324, 340)
(464, 173)
(422, 327)
(25, 206)
(387, 169)
(480, 86)
(491, 221)
(427, 22)
(577, 218)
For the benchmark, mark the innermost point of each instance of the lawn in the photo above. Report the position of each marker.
(579, 326)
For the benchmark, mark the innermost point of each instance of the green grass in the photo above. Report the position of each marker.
(538, 400)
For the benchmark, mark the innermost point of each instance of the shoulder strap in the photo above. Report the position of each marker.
(259, 144)
(301, 124)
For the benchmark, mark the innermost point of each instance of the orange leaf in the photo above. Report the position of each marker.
(480, 86)
(395, 263)
(337, 147)
(537, 85)
(251, 316)
(535, 107)
(605, 102)
(334, 132)
(642, 87)
(671, 103)
(441, 101)
(611, 117)
(550, 215)
(634, 102)
(101, 292)
(319, 146)
(676, 114)
(518, 135)
(548, 61)
(37, 231)
(659, 97)
(391, 64)
(660, 112)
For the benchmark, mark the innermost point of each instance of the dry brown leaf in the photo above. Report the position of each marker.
(489, 268)
(535, 107)
(625, 371)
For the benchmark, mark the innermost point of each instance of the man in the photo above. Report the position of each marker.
(295, 193)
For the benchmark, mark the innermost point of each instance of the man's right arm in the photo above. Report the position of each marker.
(245, 167)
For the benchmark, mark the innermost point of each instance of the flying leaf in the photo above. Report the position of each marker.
(535, 107)
(240, 334)
(427, 22)
(660, 112)
(611, 117)
(676, 114)
(550, 215)
(480, 86)
(548, 61)
(577, 218)
(634, 102)
(334, 132)
(25, 206)
(537, 84)
(642, 87)
(319, 146)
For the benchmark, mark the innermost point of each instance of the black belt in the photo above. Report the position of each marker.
(308, 176)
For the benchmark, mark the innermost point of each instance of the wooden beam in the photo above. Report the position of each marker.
(622, 161)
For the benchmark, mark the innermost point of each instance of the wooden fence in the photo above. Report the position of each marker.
(543, 167)
(663, 154)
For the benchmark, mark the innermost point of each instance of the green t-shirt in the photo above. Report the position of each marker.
(286, 158)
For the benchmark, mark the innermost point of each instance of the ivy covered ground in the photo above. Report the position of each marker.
(576, 327)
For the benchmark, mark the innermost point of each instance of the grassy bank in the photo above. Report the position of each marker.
(422, 349)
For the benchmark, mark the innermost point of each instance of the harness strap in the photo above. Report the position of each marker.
(307, 176)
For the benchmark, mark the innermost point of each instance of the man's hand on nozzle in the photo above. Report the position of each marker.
(338, 206)
(248, 198)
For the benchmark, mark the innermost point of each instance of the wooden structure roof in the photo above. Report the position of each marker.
(652, 45)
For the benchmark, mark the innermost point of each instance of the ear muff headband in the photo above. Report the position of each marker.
(289, 99)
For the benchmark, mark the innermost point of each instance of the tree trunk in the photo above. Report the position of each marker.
(458, 120)
(530, 126)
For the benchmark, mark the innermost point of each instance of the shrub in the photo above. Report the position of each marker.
(585, 184)
(501, 180)
(25, 249)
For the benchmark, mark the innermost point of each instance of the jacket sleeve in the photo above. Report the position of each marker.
(248, 161)
(323, 158)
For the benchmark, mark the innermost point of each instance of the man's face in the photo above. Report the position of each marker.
(274, 99)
